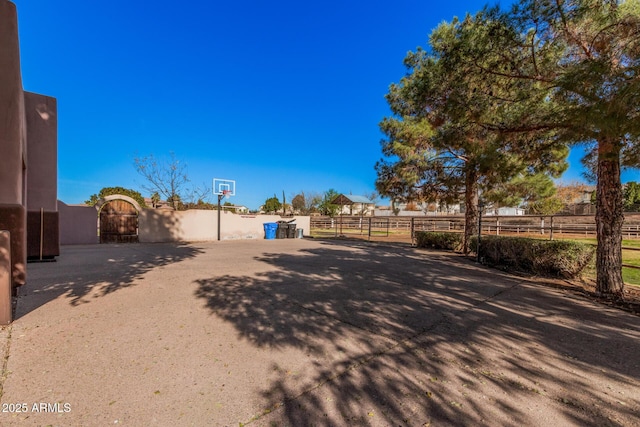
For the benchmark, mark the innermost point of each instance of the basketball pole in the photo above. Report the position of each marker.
(220, 196)
(223, 188)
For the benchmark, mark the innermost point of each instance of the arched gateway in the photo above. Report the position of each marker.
(118, 219)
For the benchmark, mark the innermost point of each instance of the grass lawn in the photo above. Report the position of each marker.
(631, 276)
(631, 257)
(625, 243)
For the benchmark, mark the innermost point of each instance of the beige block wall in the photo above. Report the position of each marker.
(171, 226)
(202, 225)
(252, 226)
(78, 224)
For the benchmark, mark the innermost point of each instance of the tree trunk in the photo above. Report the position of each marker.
(471, 207)
(609, 219)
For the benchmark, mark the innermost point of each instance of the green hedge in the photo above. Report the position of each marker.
(551, 258)
(433, 240)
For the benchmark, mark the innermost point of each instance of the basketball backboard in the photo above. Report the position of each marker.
(224, 187)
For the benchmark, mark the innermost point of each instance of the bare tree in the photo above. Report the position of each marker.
(198, 194)
(312, 201)
(169, 179)
(298, 203)
(306, 203)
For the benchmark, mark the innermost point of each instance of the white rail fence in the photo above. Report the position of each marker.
(564, 226)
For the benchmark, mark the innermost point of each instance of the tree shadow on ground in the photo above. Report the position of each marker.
(74, 275)
(398, 336)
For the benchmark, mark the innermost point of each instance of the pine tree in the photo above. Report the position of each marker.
(581, 58)
(437, 145)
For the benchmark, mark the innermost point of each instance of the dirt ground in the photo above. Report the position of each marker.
(299, 332)
(630, 300)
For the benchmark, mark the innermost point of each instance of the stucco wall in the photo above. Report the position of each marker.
(78, 224)
(168, 226)
(12, 143)
(12, 126)
(42, 176)
(202, 225)
(42, 152)
(252, 226)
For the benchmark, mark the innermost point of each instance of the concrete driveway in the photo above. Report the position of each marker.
(304, 332)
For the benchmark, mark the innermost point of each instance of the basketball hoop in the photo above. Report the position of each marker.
(224, 194)
(223, 188)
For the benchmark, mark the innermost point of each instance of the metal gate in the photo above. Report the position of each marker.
(118, 222)
(350, 226)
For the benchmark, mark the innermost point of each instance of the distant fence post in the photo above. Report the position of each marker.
(5, 278)
(551, 229)
(413, 229)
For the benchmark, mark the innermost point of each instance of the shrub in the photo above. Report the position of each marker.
(551, 258)
(434, 240)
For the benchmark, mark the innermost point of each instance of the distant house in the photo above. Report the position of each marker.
(505, 211)
(354, 205)
(581, 204)
(236, 208)
(158, 204)
(418, 209)
(440, 209)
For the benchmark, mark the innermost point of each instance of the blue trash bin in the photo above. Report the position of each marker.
(270, 230)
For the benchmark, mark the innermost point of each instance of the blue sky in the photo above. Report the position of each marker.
(280, 96)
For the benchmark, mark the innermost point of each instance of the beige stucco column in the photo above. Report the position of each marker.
(41, 115)
(12, 142)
